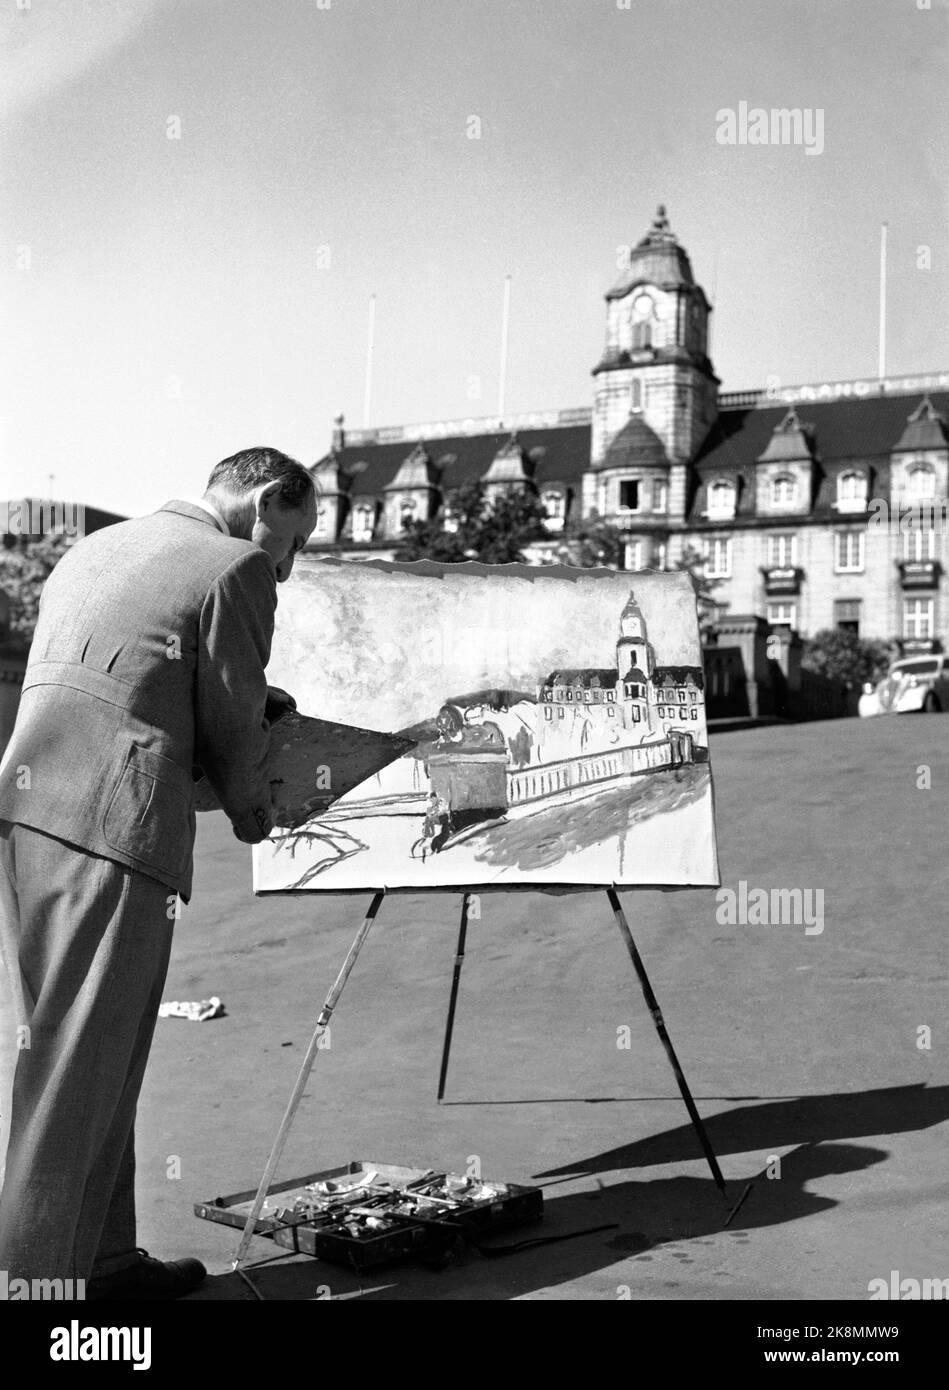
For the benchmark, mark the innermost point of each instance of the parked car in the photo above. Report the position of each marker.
(914, 684)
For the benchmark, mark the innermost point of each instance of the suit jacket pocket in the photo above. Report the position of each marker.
(149, 816)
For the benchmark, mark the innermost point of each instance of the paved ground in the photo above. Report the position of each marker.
(798, 1046)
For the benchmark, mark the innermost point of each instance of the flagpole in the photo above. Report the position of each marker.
(370, 343)
(505, 323)
(881, 364)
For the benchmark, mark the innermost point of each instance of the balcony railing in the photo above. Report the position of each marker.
(783, 579)
(919, 574)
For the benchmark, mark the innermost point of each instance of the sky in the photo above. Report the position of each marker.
(199, 197)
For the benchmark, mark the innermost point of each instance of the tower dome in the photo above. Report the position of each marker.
(657, 258)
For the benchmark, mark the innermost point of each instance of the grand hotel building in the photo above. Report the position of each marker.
(775, 489)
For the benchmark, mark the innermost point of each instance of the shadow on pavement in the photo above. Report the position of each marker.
(777, 1125)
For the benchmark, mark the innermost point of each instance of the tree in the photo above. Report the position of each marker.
(492, 532)
(25, 566)
(589, 542)
(692, 562)
(845, 657)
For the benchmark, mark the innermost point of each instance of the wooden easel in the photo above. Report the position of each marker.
(332, 998)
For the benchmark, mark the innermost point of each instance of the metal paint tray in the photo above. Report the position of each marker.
(357, 1223)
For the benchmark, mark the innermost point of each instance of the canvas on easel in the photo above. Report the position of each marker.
(553, 728)
(554, 736)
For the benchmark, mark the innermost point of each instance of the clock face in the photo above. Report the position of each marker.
(642, 306)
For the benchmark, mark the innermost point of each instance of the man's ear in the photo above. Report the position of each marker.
(263, 496)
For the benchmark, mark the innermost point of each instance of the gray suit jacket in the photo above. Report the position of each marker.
(148, 657)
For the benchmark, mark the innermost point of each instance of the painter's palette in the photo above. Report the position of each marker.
(367, 1214)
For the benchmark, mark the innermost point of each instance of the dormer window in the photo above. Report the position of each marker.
(852, 492)
(364, 518)
(721, 498)
(555, 505)
(642, 335)
(921, 482)
(783, 490)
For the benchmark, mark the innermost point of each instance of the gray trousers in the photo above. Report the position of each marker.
(86, 943)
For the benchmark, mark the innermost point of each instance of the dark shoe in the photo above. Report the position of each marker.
(148, 1280)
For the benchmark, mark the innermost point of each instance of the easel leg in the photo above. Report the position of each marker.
(300, 1085)
(653, 1006)
(453, 998)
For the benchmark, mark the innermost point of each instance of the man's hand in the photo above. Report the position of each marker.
(265, 823)
(278, 703)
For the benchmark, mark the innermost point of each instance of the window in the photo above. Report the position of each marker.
(636, 396)
(629, 495)
(721, 498)
(660, 495)
(852, 492)
(642, 334)
(848, 552)
(555, 505)
(363, 523)
(782, 615)
(718, 557)
(783, 490)
(409, 509)
(921, 481)
(918, 617)
(847, 615)
(659, 553)
(322, 522)
(782, 551)
(919, 545)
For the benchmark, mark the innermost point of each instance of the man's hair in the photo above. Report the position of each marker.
(252, 467)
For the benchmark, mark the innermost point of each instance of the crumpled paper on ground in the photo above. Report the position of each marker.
(196, 1011)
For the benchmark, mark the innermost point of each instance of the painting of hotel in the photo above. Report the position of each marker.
(525, 768)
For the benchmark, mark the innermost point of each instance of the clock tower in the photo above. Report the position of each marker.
(656, 393)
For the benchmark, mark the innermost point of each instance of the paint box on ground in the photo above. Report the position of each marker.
(366, 1214)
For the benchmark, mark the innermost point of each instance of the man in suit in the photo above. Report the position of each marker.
(148, 659)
